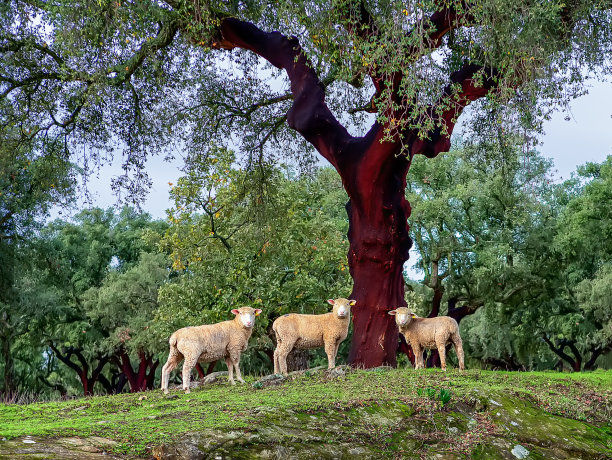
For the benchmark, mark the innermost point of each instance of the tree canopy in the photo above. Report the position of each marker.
(141, 76)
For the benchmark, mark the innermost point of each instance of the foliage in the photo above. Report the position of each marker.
(94, 75)
(279, 248)
(443, 396)
(125, 303)
(497, 239)
(29, 186)
(103, 283)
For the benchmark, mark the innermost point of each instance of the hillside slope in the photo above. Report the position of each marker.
(378, 413)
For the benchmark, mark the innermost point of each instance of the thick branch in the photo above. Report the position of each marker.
(309, 114)
(437, 26)
(559, 351)
(164, 37)
(467, 85)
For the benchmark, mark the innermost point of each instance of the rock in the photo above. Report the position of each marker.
(269, 381)
(338, 371)
(519, 451)
(89, 448)
(215, 377)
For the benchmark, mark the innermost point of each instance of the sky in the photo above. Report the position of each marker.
(586, 136)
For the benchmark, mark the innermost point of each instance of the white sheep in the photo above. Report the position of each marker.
(304, 332)
(429, 333)
(209, 343)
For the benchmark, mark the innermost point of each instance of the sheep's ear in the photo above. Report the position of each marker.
(392, 312)
(235, 311)
(352, 302)
(331, 301)
(257, 311)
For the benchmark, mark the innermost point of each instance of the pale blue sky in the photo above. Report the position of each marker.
(587, 136)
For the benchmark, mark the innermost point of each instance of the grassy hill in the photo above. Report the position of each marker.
(379, 413)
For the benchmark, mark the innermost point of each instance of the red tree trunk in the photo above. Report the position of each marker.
(379, 245)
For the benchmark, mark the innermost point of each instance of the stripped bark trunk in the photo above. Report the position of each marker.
(143, 379)
(379, 245)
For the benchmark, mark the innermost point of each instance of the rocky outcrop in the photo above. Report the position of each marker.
(487, 426)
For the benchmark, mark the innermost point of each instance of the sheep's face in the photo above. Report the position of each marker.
(246, 315)
(342, 307)
(403, 316)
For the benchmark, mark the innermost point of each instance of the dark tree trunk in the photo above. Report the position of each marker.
(297, 360)
(144, 379)
(9, 367)
(596, 352)
(82, 368)
(559, 349)
(458, 313)
(436, 301)
(504, 364)
(405, 348)
(209, 369)
(379, 245)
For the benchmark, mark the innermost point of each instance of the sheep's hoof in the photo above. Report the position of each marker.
(187, 391)
(166, 392)
(232, 382)
(241, 380)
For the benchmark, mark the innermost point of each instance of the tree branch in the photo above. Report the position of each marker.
(309, 114)
(467, 85)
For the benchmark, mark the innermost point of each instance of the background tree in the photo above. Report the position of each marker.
(29, 186)
(496, 240)
(480, 216)
(90, 260)
(416, 64)
(583, 244)
(124, 306)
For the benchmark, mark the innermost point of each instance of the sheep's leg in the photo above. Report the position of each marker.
(442, 353)
(173, 359)
(236, 360)
(418, 356)
(276, 350)
(230, 370)
(459, 350)
(188, 365)
(331, 348)
(283, 352)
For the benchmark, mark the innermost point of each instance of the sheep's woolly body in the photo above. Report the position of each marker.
(431, 333)
(303, 332)
(208, 343)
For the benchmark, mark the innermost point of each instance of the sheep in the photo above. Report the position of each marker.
(209, 343)
(311, 331)
(429, 333)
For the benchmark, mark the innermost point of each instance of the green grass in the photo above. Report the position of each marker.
(143, 420)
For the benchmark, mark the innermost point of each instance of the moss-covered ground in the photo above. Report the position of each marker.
(364, 408)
